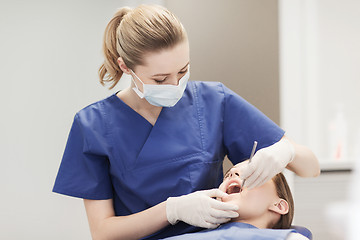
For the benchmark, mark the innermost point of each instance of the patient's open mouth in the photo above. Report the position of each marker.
(234, 188)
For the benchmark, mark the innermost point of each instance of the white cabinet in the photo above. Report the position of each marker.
(313, 197)
(319, 70)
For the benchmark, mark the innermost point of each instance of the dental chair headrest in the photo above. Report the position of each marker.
(303, 231)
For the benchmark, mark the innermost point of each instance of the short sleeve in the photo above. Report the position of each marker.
(83, 173)
(244, 124)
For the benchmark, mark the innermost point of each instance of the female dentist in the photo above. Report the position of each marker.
(140, 157)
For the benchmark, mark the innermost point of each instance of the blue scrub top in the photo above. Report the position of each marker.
(237, 230)
(113, 152)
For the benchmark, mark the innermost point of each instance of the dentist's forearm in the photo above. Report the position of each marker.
(305, 163)
(137, 225)
(134, 226)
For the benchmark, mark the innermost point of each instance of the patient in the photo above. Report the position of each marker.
(265, 212)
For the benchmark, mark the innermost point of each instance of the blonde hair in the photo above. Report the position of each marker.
(131, 33)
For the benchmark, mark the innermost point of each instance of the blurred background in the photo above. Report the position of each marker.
(295, 60)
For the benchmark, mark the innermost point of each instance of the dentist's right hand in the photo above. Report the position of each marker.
(200, 209)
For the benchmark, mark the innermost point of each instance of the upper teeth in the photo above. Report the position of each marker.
(233, 184)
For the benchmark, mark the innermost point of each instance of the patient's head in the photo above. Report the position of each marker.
(268, 206)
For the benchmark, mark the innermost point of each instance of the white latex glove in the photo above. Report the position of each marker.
(266, 163)
(200, 209)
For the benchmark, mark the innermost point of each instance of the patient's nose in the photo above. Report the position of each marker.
(234, 172)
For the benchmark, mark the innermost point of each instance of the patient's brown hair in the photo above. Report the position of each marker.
(283, 191)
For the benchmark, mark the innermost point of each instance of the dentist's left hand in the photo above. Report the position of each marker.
(200, 209)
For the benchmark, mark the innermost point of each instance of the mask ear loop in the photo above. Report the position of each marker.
(140, 94)
(137, 78)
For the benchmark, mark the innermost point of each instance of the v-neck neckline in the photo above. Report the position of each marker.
(130, 109)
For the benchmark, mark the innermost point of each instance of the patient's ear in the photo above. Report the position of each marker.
(281, 207)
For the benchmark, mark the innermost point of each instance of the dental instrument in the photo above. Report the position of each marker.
(251, 156)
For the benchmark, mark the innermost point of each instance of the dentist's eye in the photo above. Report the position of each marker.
(159, 81)
(182, 72)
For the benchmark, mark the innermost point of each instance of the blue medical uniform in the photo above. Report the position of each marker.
(113, 152)
(237, 230)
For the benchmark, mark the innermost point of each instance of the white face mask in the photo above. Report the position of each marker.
(163, 95)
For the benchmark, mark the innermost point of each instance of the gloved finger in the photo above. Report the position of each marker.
(209, 225)
(206, 222)
(215, 193)
(247, 170)
(212, 220)
(223, 214)
(255, 165)
(215, 204)
(251, 179)
(263, 178)
(220, 220)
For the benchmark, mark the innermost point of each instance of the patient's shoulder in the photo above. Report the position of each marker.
(296, 236)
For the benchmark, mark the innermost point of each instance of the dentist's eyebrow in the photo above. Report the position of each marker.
(166, 74)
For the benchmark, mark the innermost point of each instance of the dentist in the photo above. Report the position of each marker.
(142, 158)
